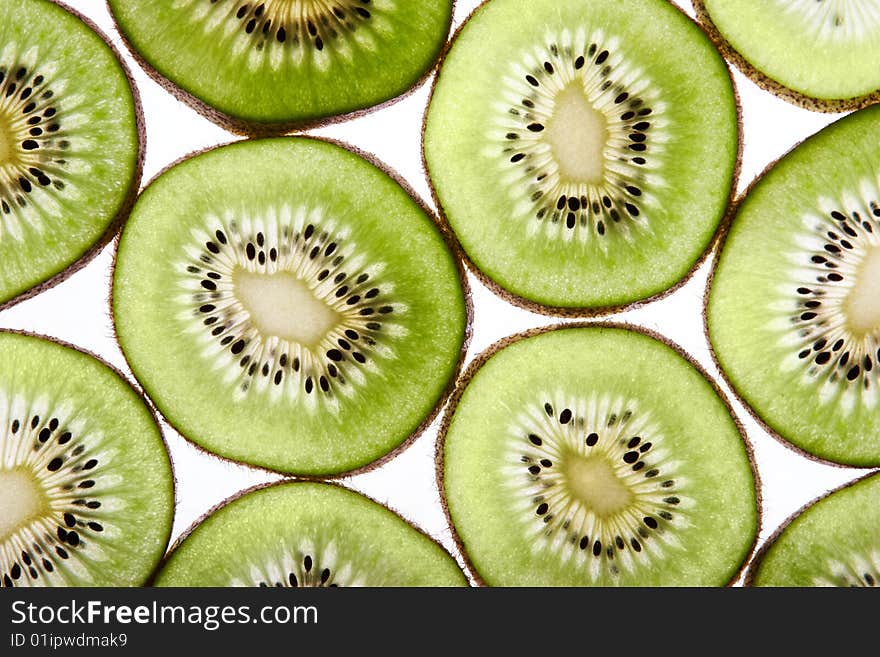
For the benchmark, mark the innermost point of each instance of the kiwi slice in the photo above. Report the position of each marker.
(596, 455)
(306, 534)
(287, 303)
(70, 145)
(268, 66)
(792, 310)
(833, 541)
(86, 488)
(818, 54)
(583, 153)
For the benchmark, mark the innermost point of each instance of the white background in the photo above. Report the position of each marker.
(78, 311)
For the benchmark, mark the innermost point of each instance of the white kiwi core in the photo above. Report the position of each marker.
(863, 303)
(20, 500)
(593, 482)
(577, 134)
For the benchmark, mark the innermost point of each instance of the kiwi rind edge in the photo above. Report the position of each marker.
(138, 391)
(585, 312)
(285, 482)
(722, 240)
(765, 82)
(752, 570)
(244, 128)
(128, 203)
(448, 238)
(480, 359)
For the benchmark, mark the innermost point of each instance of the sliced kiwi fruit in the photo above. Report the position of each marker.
(583, 153)
(306, 534)
(86, 487)
(818, 54)
(596, 455)
(833, 541)
(287, 303)
(70, 145)
(269, 66)
(792, 311)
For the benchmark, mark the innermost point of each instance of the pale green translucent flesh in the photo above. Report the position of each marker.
(753, 268)
(381, 548)
(391, 228)
(103, 153)
(835, 529)
(699, 160)
(697, 428)
(787, 48)
(138, 529)
(218, 65)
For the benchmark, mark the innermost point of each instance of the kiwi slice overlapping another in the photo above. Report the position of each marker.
(833, 541)
(70, 145)
(307, 534)
(261, 66)
(819, 54)
(793, 310)
(86, 487)
(287, 303)
(583, 152)
(596, 455)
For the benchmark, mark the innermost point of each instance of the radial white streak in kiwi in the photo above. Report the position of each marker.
(856, 571)
(625, 106)
(634, 530)
(321, 255)
(306, 32)
(836, 20)
(67, 461)
(829, 347)
(311, 564)
(35, 164)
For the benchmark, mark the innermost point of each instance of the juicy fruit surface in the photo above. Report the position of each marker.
(286, 303)
(833, 542)
(68, 142)
(826, 50)
(86, 489)
(581, 159)
(307, 534)
(792, 311)
(597, 456)
(287, 60)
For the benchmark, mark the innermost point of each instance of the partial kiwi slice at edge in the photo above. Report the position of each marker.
(269, 66)
(832, 541)
(306, 534)
(71, 145)
(289, 304)
(86, 486)
(596, 455)
(792, 310)
(583, 153)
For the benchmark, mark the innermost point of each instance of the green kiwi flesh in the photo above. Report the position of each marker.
(835, 541)
(307, 534)
(792, 310)
(86, 487)
(70, 147)
(286, 303)
(258, 66)
(583, 153)
(595, 456)
(821, 55)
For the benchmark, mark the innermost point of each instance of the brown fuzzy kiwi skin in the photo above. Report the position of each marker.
(752, 571)
(734, 211)
(131, 196)
(445, 233)
(481, 359)
(804, 101)
(138, 391)
(584, 312)
(244, 128)
(289, 481)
